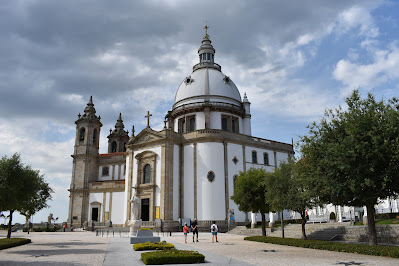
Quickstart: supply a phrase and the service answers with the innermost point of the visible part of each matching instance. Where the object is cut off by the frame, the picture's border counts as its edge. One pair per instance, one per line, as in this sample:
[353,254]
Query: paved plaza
[84,248]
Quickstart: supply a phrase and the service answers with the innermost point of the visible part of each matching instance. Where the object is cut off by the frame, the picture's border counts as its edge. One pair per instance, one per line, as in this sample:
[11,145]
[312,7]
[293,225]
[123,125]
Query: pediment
[146,136]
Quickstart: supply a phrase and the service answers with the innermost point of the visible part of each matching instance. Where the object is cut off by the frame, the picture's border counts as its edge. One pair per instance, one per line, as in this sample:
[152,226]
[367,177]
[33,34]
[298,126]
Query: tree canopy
[354,154]
[288,189]
[22,188]
[249,193]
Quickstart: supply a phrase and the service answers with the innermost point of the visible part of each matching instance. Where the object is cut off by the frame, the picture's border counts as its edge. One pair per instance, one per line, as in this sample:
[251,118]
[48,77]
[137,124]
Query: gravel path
[69,248]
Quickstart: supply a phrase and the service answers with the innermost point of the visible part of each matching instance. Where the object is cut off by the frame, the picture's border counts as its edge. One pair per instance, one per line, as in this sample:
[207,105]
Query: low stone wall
[385,234]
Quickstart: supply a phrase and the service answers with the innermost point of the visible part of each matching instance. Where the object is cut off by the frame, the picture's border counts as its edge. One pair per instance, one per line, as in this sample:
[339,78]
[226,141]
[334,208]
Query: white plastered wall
[188,181]
[248,157]
[234,150]
[176,179]
[210,195]
[117,208]
[125,199]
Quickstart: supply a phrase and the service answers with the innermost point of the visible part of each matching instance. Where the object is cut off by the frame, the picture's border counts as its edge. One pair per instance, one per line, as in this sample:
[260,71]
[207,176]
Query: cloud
[381,70]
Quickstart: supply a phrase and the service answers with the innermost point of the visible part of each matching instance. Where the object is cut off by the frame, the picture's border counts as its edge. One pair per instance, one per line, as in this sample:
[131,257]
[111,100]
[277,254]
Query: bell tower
[85,167]
[118,137]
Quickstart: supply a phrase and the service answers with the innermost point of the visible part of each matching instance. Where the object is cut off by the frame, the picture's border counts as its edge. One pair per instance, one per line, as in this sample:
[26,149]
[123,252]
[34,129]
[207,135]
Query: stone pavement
[84,248]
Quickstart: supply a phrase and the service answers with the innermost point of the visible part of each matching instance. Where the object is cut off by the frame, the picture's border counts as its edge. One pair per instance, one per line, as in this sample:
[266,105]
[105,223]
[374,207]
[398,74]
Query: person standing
[214,230]
[185,231]
[194,228]
[63,227]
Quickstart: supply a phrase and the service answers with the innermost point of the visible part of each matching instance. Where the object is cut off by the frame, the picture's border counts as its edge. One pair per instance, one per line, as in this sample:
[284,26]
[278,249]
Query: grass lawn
[386,251]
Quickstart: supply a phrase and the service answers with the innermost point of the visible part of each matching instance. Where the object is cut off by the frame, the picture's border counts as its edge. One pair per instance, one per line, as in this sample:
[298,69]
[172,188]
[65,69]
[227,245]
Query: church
[185,171]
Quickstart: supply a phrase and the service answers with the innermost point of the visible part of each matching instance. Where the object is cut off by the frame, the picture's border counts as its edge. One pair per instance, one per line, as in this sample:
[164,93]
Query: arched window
[82,134]
[124,146]
[234,182]
[266,158]
[113,146]
[105,171]
[147,174]
[254,157]
[94,136]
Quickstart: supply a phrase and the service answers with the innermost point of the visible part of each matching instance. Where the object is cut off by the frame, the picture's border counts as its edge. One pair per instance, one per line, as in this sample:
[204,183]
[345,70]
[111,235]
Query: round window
[211,176]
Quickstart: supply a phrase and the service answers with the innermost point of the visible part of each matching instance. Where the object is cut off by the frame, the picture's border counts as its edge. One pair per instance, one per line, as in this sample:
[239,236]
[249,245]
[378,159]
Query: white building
[186,170]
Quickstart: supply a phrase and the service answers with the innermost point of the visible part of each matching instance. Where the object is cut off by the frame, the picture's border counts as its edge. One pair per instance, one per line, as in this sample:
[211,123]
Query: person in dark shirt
[194,228]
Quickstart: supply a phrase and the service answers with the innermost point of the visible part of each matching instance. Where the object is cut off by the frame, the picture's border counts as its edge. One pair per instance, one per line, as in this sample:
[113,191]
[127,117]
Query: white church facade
[186,170]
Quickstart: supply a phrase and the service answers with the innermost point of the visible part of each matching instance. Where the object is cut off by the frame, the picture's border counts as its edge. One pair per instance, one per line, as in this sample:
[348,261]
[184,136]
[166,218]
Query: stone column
[272,220]
[253,220]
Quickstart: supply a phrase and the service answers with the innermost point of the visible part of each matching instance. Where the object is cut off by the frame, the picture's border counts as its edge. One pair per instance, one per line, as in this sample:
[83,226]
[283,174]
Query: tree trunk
[9,224]
[371,224]
[303,225]
[282,224]
[263,223]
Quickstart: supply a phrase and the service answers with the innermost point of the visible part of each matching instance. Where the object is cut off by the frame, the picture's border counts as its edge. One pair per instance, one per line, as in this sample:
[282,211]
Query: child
[214,230]
[185,231]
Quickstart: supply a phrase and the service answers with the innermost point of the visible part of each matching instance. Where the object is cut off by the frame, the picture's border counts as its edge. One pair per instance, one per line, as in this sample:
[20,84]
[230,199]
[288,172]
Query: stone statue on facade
[135,206]
[135,222]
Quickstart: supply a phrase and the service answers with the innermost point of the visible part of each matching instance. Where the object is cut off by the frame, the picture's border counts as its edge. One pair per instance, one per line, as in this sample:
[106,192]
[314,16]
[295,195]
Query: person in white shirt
[214,230]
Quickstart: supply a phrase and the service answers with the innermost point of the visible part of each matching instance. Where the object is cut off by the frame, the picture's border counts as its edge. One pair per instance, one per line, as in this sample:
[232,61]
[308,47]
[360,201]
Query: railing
[234,107]
[207,64]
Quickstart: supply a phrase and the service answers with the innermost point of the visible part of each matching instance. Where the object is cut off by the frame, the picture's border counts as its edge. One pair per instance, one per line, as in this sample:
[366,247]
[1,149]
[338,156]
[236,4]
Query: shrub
[387,251]
[385,216]
[332,216]
[152,246]
[172,256]
[13,242]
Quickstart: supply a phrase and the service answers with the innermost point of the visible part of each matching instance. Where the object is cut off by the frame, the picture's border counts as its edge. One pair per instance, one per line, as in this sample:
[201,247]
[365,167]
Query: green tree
[354,154]
[22,189]
[288,189]
[249,193]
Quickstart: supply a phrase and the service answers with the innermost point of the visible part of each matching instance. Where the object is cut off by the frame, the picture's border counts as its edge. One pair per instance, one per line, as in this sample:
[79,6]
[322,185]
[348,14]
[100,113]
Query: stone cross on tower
[148,118]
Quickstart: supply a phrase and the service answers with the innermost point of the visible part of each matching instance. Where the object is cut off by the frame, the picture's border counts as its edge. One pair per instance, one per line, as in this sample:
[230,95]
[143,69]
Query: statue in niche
[135,206]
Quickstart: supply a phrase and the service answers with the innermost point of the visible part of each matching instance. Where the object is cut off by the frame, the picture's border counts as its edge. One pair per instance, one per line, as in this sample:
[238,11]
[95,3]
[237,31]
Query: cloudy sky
[293,58]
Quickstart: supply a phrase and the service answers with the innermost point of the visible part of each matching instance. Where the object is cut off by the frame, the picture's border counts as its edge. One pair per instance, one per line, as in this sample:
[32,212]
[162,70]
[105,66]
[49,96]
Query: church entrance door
[94,214]
[145,209]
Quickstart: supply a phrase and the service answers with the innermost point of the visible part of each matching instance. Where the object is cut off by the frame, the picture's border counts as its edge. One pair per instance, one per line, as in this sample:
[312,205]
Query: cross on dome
[206,36]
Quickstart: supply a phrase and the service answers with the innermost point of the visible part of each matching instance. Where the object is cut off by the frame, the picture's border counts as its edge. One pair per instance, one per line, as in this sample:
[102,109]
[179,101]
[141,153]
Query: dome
[207,84]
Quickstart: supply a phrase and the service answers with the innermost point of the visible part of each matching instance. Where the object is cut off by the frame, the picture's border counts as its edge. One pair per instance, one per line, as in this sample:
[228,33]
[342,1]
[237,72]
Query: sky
[293,59]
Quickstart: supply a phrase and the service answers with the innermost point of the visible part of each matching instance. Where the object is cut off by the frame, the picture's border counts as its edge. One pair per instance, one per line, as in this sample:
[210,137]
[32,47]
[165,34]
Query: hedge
[13,242]
[386,251]
[152,246]
[172,256]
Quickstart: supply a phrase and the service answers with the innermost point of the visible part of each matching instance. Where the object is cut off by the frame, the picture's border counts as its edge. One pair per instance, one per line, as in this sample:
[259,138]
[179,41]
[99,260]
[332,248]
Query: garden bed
[386,251]
[152,246]
[172,256]
[13,242]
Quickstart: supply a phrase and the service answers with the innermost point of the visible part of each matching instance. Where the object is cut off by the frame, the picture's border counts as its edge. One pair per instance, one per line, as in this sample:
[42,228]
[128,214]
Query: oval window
[211,176]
